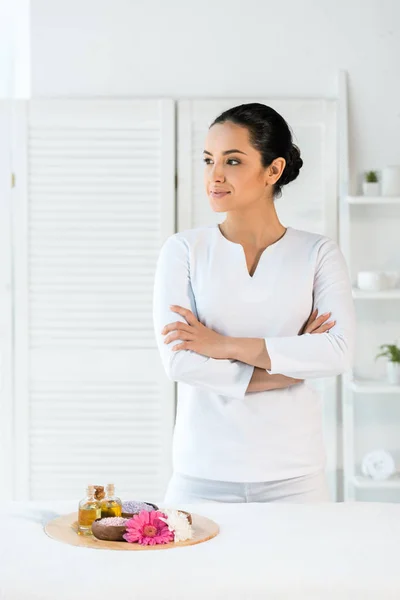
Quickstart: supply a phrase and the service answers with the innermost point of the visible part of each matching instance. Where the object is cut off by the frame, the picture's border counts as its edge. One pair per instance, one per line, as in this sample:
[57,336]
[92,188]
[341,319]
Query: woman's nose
[217,174]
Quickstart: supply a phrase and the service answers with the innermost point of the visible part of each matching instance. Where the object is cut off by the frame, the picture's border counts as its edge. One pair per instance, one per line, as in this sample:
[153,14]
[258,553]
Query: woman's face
[234,175]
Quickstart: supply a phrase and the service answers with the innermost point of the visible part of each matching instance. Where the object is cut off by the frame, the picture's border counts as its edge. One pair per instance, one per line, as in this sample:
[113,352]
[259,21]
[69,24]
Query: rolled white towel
[378,465]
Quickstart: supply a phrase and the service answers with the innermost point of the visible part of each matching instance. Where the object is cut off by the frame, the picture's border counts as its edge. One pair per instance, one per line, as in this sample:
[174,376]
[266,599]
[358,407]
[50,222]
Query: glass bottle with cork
[89,511]
[111,505]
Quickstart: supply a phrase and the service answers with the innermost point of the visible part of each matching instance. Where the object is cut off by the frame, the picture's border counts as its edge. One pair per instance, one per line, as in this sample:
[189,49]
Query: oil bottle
[89,511]
[111,505]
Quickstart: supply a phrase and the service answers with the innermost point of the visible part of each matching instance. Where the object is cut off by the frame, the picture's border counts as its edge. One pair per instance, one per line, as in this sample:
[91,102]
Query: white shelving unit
[384,200]
[393,483]
[356,390]
[361,386]
[384,295]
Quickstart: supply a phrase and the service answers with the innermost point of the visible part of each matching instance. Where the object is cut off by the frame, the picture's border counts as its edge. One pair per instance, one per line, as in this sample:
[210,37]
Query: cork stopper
[90,490]
[110,489]
[99,492]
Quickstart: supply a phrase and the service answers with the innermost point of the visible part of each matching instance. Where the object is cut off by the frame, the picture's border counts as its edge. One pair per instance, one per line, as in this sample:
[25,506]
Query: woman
[235,314]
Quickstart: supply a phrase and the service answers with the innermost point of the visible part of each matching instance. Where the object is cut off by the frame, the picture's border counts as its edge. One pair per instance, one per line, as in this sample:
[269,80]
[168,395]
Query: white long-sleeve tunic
[222,432]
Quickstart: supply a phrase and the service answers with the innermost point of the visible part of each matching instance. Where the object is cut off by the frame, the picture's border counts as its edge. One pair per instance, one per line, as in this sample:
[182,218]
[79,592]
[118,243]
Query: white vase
[371,189]
[391,181]
[393,372]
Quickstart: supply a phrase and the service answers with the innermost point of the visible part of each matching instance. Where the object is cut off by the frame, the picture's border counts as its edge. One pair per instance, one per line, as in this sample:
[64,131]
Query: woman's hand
[262,381]
[317,324]
[195,336]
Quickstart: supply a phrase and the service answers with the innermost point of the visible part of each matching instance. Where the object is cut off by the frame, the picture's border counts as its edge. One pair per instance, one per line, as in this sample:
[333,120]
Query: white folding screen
[95,199]
[6,403]
[310,202]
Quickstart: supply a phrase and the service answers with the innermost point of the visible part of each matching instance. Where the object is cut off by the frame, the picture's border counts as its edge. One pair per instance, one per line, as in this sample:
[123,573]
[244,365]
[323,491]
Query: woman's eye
[230,161]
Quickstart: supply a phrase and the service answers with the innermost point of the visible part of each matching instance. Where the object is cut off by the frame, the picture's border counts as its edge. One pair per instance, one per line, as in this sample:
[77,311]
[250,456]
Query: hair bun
[293,165]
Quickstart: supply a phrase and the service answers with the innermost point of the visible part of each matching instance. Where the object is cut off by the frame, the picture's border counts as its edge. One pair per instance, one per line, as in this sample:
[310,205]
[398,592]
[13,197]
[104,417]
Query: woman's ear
[275,170]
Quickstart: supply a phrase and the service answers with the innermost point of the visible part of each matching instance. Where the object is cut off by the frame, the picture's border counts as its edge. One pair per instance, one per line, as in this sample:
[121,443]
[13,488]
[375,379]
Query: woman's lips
[219,194]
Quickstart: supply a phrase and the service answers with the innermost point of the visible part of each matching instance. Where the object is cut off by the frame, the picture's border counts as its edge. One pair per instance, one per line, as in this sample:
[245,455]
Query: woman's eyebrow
[226,152]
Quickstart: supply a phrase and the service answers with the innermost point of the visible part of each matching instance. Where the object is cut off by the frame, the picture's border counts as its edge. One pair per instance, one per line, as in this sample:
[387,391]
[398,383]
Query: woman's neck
[258,229]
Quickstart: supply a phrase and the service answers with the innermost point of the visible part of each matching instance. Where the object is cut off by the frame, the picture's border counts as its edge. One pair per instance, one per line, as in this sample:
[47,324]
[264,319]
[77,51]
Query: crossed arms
[256,364]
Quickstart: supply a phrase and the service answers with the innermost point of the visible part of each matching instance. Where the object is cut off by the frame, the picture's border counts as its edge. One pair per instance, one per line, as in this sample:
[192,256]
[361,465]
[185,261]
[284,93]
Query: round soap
[133,507]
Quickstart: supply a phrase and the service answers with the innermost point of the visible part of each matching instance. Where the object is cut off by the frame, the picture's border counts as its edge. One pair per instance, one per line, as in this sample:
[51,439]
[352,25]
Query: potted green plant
[371,184]
[392,353]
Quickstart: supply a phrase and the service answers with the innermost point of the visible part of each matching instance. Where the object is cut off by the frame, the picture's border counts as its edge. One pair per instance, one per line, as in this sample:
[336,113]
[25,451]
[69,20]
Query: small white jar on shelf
[391,181]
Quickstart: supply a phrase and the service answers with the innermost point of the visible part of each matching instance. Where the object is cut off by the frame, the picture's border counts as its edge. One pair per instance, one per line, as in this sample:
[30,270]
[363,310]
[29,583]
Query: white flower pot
[371,189]
[393,372]
[391,181]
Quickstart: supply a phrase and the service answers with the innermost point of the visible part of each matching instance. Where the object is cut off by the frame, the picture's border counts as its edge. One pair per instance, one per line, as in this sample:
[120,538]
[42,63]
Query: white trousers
[191,490]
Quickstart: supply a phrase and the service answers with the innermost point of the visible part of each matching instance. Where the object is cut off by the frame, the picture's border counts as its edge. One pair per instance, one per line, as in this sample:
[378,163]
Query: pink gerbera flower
[147,529]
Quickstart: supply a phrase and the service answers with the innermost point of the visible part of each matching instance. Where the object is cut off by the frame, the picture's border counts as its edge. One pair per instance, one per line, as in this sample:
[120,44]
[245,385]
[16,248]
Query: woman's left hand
[195,336]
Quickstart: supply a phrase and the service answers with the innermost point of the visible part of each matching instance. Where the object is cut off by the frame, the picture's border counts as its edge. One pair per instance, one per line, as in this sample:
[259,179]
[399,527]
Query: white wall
[183,48]
[6,46]
[14,48]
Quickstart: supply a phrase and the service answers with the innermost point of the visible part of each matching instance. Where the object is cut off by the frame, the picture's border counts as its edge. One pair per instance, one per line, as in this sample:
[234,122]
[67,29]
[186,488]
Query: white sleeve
[321,355]
[172,285]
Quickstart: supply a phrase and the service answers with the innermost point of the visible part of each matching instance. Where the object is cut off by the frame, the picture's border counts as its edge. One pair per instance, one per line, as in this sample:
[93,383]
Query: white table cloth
[269,551]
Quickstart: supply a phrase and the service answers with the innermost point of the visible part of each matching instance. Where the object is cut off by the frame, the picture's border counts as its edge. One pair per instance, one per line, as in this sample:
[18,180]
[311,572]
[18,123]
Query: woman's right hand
[317,324]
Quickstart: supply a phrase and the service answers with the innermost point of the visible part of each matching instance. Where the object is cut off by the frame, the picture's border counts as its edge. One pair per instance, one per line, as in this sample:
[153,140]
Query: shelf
[361,386]
[382,295]
[393,483]
[355,211]
[373,200]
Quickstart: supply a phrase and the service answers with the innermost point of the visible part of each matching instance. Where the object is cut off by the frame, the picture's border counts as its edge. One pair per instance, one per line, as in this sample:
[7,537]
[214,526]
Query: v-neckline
[241,248]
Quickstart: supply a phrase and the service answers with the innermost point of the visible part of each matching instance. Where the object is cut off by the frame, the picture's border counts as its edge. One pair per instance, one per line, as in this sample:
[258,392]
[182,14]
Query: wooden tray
[65,529]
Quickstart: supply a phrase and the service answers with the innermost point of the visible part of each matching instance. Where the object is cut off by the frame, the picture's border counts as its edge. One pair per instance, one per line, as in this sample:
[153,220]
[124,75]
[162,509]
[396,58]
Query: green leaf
[371,177]
[390,351]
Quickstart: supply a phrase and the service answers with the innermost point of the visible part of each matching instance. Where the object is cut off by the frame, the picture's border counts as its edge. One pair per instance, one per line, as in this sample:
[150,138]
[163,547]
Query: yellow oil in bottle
[89,510]
[110,509]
